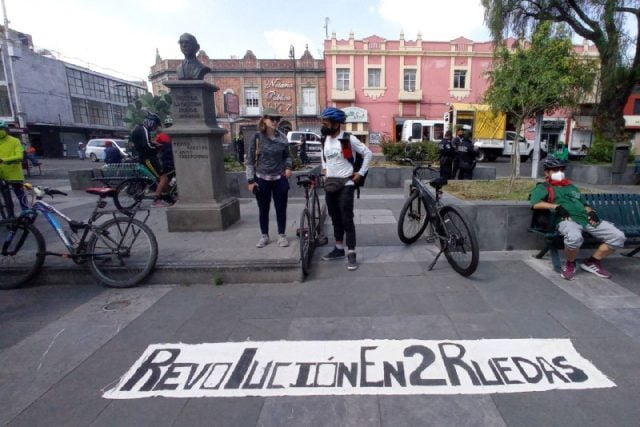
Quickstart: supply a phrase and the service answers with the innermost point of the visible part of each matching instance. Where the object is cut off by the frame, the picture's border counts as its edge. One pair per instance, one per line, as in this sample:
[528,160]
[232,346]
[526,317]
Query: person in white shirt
[341,180]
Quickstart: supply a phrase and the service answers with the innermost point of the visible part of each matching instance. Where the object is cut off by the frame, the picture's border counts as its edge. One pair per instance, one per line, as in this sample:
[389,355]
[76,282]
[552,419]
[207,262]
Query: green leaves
[137,110]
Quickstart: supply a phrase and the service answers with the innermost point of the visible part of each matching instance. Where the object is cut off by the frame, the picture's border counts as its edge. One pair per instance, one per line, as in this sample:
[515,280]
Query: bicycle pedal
[430,239]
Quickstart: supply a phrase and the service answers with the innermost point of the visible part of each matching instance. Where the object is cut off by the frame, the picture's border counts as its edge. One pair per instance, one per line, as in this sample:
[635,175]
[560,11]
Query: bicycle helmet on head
[553,164]
[334,114]
[168,122]
[152,120]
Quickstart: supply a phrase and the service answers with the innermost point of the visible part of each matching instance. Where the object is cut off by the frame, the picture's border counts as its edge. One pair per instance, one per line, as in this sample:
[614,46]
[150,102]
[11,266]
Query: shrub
[418,151]
[601,151]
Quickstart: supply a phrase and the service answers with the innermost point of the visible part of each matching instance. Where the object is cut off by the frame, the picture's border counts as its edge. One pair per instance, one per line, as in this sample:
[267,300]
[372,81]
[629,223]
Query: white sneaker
[282,241]
[264,241]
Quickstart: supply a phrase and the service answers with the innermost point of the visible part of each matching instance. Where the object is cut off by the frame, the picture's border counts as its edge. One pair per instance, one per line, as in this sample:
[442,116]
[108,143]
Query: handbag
[333,184]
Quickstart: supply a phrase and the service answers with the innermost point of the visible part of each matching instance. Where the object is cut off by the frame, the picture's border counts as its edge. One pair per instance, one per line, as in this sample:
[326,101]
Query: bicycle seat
[101,191]
[438,183]
[304,180]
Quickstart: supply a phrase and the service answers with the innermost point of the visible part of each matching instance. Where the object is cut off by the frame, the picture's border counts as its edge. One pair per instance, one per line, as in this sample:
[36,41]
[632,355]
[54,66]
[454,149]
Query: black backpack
[352,156]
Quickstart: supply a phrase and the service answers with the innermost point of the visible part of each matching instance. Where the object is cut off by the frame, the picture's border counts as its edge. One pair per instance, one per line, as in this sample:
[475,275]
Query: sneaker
[568,270]
[334,254]
[264,241]
[596,268]
[282,241]
[351,261]
[159,203]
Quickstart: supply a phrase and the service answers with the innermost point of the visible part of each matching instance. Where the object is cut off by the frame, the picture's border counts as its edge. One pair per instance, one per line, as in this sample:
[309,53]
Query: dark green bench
[621,209]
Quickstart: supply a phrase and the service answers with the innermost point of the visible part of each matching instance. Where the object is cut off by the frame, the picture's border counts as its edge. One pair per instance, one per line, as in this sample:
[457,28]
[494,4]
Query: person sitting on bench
[573,216]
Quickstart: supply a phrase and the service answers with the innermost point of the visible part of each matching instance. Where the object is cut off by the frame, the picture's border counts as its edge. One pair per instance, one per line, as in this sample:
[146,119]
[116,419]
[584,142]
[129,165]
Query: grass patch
[494,189]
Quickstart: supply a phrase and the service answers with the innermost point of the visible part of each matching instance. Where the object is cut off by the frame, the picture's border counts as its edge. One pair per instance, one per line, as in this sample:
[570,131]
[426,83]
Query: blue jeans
[279,191]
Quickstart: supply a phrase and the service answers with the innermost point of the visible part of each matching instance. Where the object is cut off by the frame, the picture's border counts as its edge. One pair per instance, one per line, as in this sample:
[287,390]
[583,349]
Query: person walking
[304,159]
[82,149]
[11,157]
[561,153]
[148,156]
[239,146]
[573,216]
[269,165]
[447,154]
[466,157]
[340,182]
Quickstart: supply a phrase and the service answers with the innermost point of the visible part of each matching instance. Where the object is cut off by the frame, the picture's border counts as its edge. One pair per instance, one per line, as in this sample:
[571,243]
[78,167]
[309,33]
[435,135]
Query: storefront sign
[363,367]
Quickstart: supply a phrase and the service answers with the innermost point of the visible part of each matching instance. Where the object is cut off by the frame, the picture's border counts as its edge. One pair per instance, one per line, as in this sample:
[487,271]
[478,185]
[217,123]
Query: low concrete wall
[237,183]
[599,174]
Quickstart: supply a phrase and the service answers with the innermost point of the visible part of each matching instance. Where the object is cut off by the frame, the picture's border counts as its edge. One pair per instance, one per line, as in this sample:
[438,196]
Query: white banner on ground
[385,367]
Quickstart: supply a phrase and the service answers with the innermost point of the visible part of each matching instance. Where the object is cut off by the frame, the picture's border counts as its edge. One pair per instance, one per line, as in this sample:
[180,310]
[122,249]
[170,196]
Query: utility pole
[292,55]
[16,99]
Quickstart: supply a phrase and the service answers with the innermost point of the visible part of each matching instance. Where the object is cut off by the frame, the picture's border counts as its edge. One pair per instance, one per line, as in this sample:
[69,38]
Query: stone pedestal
[197,150]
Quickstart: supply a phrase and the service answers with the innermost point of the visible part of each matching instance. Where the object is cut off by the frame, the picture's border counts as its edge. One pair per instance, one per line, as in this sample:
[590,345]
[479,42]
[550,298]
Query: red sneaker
[596,268]
[568,270]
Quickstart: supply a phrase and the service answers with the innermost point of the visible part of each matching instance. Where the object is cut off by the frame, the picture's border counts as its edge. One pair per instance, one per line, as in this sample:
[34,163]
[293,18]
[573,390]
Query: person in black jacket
[111,153]
[466,157]
[447,153]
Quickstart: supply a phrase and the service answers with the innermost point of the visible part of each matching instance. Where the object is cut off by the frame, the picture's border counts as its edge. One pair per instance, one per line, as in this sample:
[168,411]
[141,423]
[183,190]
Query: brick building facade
[297,89]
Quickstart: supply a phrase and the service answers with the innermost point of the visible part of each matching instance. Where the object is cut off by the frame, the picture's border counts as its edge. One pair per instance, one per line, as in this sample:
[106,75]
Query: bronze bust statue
[191,68]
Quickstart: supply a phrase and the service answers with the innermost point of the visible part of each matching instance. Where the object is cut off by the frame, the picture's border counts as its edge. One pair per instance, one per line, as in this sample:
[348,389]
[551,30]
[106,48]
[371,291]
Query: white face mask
[557,176]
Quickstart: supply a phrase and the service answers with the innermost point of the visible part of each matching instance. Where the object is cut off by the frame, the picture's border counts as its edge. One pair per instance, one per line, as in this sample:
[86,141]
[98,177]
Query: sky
[120,37]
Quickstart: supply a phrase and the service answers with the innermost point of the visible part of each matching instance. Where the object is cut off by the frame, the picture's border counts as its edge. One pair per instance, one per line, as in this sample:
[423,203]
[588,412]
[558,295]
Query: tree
[599,21]
[537,78]
[138,109]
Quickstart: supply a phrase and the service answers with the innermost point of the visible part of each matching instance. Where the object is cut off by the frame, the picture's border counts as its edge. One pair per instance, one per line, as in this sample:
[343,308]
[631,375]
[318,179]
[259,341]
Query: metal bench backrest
[621,209]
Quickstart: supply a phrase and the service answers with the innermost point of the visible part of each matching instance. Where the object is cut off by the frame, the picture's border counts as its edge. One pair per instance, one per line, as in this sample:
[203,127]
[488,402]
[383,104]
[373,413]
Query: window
[5,104]
[119,92]
[636,107]
[2,76]
[459,79]
[98,113]
[373,79]
[80,113]
[95,86]
[252,100]
[74,78]
[119,113]
[309,105]
[410,80]
[342,79]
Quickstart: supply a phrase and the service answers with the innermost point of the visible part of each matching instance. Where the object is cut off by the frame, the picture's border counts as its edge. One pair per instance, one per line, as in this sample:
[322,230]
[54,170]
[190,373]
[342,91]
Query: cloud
[435,20]
[165,6]
[281,40]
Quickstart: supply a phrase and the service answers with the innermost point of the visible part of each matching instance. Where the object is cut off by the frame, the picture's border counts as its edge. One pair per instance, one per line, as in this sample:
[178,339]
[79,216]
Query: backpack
[352,156]
[541,218]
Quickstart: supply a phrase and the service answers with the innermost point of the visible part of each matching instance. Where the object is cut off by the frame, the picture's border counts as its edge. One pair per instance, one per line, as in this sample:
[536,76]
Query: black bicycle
[121,251]
[447,225]
[311,220]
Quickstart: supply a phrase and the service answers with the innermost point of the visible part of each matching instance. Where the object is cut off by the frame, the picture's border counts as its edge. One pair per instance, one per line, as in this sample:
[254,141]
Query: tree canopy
[606,23]
[537,77]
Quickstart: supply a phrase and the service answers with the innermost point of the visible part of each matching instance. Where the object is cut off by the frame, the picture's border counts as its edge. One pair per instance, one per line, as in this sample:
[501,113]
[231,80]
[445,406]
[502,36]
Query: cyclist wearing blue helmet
[573,216]
[340,184]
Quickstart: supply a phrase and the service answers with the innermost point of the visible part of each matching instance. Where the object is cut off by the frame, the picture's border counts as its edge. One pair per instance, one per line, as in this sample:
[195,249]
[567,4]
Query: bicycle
[447,225]
[121,251]
[135,184]
[311,220]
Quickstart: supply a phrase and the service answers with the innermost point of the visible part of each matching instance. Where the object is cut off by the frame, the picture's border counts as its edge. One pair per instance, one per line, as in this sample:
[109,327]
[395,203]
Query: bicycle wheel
[123,252]
[414,218]
[130,192]
[316,212]
[306,241]
[461,248]
[21,254]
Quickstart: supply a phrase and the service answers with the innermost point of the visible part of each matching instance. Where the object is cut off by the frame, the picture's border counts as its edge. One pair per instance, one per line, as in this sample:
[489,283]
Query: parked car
[95,148]
[314,146]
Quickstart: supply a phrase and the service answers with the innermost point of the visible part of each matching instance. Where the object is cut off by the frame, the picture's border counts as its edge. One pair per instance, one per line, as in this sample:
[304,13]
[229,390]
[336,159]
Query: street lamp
[292,55]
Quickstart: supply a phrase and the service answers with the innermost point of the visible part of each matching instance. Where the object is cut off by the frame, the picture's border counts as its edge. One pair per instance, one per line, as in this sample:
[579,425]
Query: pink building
[382,83]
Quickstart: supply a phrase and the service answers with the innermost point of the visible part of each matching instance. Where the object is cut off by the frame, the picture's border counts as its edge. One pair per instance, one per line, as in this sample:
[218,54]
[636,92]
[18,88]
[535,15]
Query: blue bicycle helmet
[553,163]
[334,114]
[152,120]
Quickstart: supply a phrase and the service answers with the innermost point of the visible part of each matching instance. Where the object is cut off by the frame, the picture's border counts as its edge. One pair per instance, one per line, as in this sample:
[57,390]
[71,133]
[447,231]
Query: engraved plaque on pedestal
[197,150]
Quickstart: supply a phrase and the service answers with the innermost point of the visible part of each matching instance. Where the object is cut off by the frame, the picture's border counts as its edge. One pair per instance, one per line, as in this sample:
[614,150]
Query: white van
[422,130]
[314,146]
[95,148]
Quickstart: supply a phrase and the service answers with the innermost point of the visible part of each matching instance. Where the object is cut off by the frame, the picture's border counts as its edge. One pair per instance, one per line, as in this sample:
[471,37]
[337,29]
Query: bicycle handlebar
[39,191]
